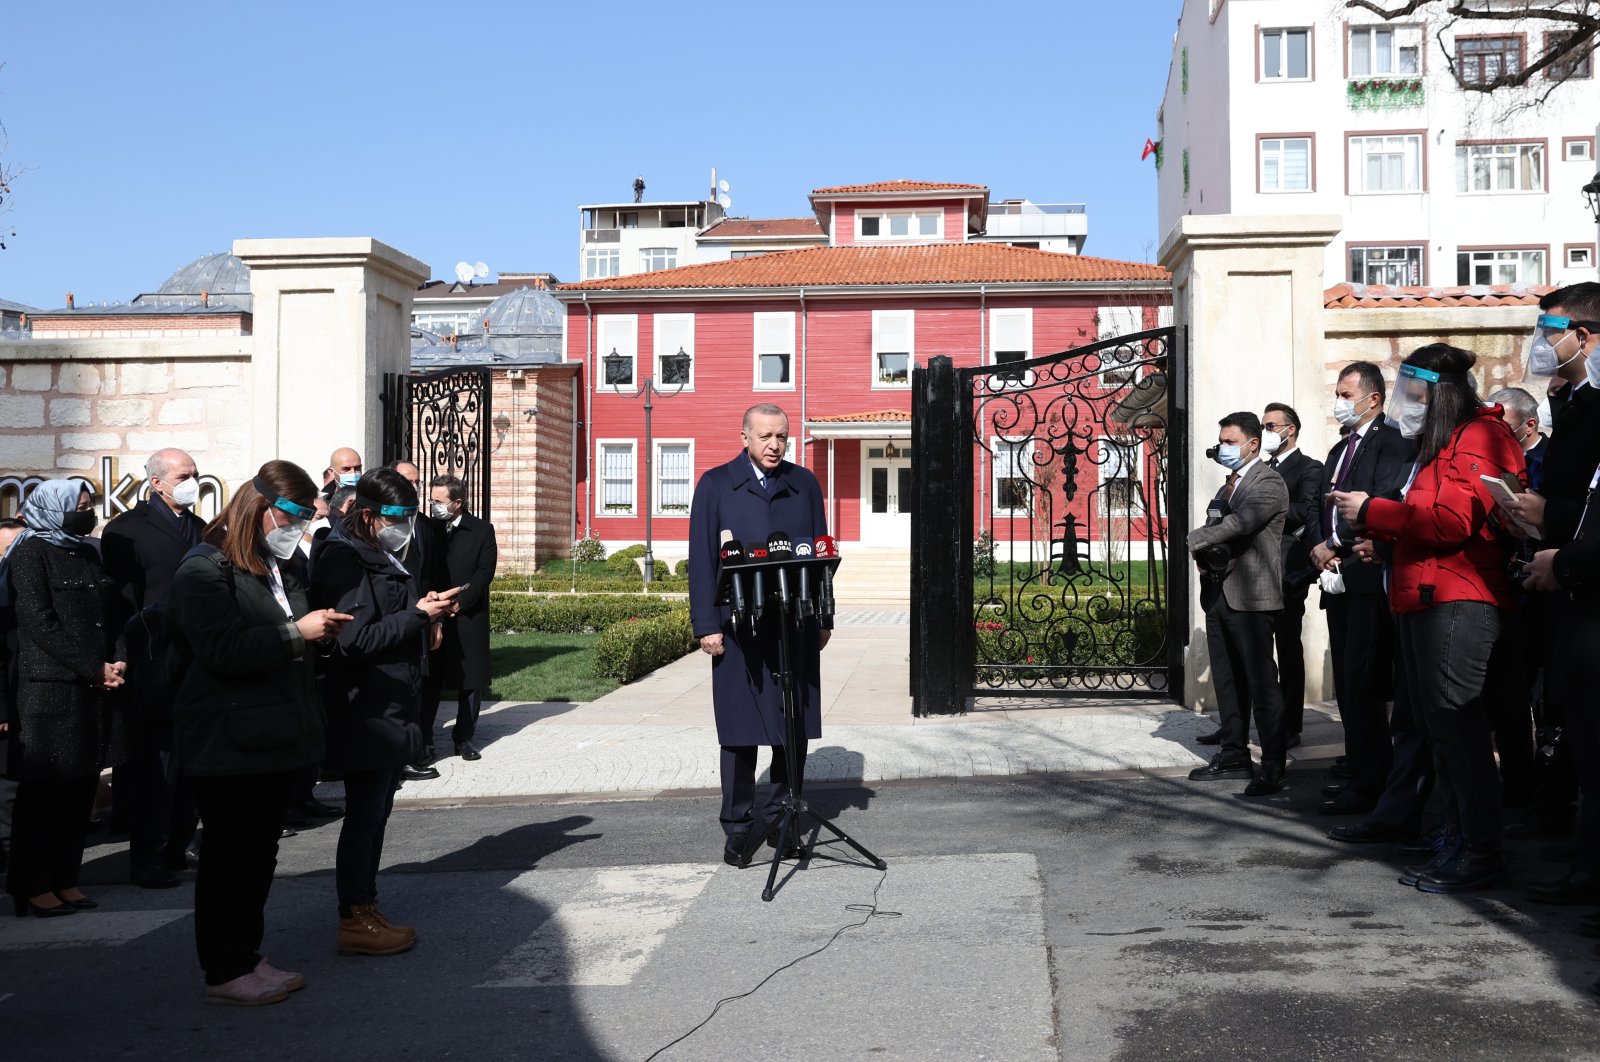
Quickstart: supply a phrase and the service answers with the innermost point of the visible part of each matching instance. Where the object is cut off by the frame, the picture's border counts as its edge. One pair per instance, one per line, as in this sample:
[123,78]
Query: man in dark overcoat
[142,549]
[755,494]
[460,662]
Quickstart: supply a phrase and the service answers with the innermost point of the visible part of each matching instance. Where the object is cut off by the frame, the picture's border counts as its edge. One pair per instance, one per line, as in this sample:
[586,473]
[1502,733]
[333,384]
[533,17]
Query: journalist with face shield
[371,688]
[1449,591]
[1239,552]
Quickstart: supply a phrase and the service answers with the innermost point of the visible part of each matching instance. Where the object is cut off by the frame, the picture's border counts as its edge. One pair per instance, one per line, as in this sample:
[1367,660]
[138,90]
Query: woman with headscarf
[372,689]
[69,653]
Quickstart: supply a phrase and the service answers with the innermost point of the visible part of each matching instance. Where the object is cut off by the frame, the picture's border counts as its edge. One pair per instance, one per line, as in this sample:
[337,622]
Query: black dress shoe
[467,752]
[1578,887]
[25,906]
[1341,770]
[316,809]
[1347,803]
[288,831]
[733,849]
[1445,849]
[1293,742]
[1331,791]
[1220,768]
[413,773]
[1467,871]
[1213,738]
[1370,832]
[1269,781]
[156,878]
[429,756]
[795,849]
[84,904]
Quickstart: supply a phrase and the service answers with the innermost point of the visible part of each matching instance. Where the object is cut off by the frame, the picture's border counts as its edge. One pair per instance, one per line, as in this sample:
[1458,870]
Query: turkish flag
[1149,149]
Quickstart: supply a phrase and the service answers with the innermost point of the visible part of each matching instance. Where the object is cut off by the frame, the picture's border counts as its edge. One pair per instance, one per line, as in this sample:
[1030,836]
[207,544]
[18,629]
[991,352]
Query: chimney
[71,302]
[538,283]
[205,298]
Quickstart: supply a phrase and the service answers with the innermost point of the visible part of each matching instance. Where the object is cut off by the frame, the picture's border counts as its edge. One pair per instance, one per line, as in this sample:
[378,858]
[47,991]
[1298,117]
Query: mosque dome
[219,274]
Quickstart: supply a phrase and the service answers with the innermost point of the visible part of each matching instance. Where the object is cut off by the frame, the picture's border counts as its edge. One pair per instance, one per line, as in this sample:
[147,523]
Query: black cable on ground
[868,912]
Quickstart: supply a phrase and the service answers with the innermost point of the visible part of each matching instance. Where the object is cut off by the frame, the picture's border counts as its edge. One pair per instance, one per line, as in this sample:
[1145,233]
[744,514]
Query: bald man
[142,549]
[344,470]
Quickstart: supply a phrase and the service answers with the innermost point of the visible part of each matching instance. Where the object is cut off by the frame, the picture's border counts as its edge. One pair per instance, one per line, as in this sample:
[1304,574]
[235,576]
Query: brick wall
[530,465]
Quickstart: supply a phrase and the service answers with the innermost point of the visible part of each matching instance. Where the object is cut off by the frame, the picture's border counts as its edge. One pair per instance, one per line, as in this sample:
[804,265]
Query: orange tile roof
[880,416]
[899,186]
[920,265]
[1378,296]
[769,227]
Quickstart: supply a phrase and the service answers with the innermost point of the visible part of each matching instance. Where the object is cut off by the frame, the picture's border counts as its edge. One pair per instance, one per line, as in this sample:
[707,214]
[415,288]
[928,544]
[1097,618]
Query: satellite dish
[724,200]
[480,270]
[722,185]
[464,272]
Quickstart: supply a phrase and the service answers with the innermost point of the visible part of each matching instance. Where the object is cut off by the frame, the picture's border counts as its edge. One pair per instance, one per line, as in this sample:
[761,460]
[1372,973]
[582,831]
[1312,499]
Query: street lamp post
[1591,195]
[675,368]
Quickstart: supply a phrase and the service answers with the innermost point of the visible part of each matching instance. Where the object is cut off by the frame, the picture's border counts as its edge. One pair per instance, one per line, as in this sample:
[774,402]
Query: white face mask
[1229,456]
[1344,411]
[283,541]
[1412,419]
[1271,441]
[439,510]
[395,538]
[1592,367]
[185,494]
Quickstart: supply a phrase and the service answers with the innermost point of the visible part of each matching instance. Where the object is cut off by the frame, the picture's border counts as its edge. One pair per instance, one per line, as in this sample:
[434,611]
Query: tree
[1576,21]
[8,174]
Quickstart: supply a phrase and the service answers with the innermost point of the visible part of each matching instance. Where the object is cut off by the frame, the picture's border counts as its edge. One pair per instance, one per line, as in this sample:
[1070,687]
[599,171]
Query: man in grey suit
[1240,555]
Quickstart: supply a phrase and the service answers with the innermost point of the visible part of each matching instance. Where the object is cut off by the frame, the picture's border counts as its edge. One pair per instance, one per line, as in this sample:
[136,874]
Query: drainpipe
[983,448]
[800,449]
[587,422]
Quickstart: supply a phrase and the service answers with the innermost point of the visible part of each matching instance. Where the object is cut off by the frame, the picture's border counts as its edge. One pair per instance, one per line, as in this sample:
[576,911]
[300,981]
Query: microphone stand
[793,810]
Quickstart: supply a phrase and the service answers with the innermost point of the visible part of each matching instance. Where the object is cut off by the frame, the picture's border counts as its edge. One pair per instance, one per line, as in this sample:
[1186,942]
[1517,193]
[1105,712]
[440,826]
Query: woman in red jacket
[1449,593]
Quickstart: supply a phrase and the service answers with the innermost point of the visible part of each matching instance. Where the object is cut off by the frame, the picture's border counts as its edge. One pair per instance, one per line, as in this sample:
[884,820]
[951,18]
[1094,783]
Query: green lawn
[546,667]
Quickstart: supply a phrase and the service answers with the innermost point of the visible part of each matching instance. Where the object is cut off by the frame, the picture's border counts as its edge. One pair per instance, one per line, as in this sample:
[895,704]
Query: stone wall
[530,464]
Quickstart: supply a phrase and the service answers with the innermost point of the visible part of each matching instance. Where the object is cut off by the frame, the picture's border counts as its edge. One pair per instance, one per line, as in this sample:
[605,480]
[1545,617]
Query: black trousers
[1291,656]
[468,704]
[1446,650]
[1245,679]
[739,785]
[1582,737]
[1510,683]
[243,817]
[1361,639]
[49,823]
[368,799]
[161,812]
[1410,779]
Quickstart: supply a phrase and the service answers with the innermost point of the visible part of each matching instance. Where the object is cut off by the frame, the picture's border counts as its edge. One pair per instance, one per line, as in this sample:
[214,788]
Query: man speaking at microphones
[758,497]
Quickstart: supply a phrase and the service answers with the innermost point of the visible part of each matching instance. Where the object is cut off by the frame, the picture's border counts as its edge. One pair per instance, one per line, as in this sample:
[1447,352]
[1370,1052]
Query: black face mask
[80,522]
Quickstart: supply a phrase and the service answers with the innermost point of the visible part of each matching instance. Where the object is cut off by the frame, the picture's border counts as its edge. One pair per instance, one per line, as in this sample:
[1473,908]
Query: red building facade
[830,334]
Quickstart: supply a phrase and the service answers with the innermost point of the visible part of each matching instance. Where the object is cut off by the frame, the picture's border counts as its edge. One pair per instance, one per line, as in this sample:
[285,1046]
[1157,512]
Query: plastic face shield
[1408,402]
[301,514]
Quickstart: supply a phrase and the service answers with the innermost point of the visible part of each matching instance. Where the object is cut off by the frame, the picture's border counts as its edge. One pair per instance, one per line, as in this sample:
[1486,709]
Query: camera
[1212,452]
[1214,559]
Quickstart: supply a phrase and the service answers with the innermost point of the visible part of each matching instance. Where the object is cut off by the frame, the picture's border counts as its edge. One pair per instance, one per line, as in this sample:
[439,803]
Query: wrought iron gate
[1047,492]
[440,422]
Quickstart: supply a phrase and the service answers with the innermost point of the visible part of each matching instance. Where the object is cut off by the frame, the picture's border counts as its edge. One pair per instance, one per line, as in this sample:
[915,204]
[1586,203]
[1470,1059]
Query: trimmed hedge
[624,560]
[637,647]
[572,614]
[555,584]
[681,569]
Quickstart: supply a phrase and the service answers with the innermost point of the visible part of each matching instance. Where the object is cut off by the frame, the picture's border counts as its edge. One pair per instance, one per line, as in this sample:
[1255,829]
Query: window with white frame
[654,258]
[1397,266]
[1383,164]
[1013,487]
[1578,65]
[618,477]
[674,335]
[893,347]
[774,351]
[1285,164]
[899,224]
[674,469]
[1525,266]
[1484,168]
[1113,322]
[599,263]
[1285,54]
[1578,149]
[1120,463]
[1011,339]
[444,324]
[617,333]
[1484,61]
[1580,257]
[1376,51]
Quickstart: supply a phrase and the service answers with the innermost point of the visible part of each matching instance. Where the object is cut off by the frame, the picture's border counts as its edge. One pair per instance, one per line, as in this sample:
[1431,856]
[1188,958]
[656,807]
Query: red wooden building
[830,333]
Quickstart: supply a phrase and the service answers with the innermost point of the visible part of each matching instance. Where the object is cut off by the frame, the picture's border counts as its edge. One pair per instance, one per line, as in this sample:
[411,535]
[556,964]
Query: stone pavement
[656,735]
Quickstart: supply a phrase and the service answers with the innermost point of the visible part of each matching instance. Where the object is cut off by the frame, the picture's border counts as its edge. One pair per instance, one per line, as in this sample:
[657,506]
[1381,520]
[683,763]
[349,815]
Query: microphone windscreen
[732,553]
[826,546]
[778,546]
[726,536]
[756,551]
[803,547]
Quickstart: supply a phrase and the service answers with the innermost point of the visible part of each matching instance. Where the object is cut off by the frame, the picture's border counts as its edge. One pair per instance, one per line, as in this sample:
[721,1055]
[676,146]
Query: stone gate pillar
[332,315]
[1249,292]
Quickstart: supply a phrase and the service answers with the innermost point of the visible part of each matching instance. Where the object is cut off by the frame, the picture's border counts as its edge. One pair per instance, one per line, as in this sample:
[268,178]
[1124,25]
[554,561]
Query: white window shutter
[893,331]
[1010,330]
[1120,320]
[619,332]
[775,333]
[674,332]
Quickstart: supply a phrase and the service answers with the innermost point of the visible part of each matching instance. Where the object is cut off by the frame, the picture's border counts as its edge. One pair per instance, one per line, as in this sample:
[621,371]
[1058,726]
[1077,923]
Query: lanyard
[275,582]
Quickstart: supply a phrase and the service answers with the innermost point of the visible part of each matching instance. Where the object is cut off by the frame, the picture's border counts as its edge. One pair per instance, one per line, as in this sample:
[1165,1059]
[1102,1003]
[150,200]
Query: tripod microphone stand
[793,813]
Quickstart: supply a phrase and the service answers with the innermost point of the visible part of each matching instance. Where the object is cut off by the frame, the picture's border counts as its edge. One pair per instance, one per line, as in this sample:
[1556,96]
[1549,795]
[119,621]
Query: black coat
[372,684]
[142,549]
[1302,474]
[744,690]
[1381,464]
[1570,460]
[469,559]
[63,608]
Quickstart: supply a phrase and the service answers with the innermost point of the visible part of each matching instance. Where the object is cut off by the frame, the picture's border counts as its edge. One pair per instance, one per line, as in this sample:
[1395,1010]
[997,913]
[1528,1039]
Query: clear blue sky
[472,131]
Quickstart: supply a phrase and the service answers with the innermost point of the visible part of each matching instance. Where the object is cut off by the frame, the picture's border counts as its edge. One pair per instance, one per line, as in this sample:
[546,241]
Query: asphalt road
[1020,919]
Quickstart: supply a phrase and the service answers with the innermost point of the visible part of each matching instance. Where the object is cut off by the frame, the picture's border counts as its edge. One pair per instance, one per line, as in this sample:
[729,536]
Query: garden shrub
[571,613]
[637,647]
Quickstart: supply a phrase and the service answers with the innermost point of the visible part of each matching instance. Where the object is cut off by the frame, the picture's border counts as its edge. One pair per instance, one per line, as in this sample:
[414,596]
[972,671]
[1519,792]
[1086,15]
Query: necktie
[1227,488]
[769,484]
[1272,462]
[1344,462]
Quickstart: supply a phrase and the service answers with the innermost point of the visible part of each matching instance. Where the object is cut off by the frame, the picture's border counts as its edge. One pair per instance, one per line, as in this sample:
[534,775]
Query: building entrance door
[886,496]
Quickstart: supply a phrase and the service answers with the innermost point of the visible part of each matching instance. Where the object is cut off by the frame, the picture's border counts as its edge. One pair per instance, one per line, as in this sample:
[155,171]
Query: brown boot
[365,934]
[384,919]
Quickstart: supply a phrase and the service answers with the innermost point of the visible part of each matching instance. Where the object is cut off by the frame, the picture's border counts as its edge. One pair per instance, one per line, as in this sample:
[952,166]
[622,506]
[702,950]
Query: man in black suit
[142,549]
[1375,458]
[461,659]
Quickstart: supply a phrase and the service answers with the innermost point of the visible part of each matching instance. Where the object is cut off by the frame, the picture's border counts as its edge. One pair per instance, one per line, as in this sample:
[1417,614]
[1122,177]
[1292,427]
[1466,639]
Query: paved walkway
[656,735]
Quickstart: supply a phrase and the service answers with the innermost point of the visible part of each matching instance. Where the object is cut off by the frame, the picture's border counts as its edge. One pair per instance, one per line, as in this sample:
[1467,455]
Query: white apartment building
[620,239]
[1311,107]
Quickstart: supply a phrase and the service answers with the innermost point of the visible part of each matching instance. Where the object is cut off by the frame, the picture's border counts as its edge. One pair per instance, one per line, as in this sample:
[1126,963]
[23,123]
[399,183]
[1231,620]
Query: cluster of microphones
[757,579]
